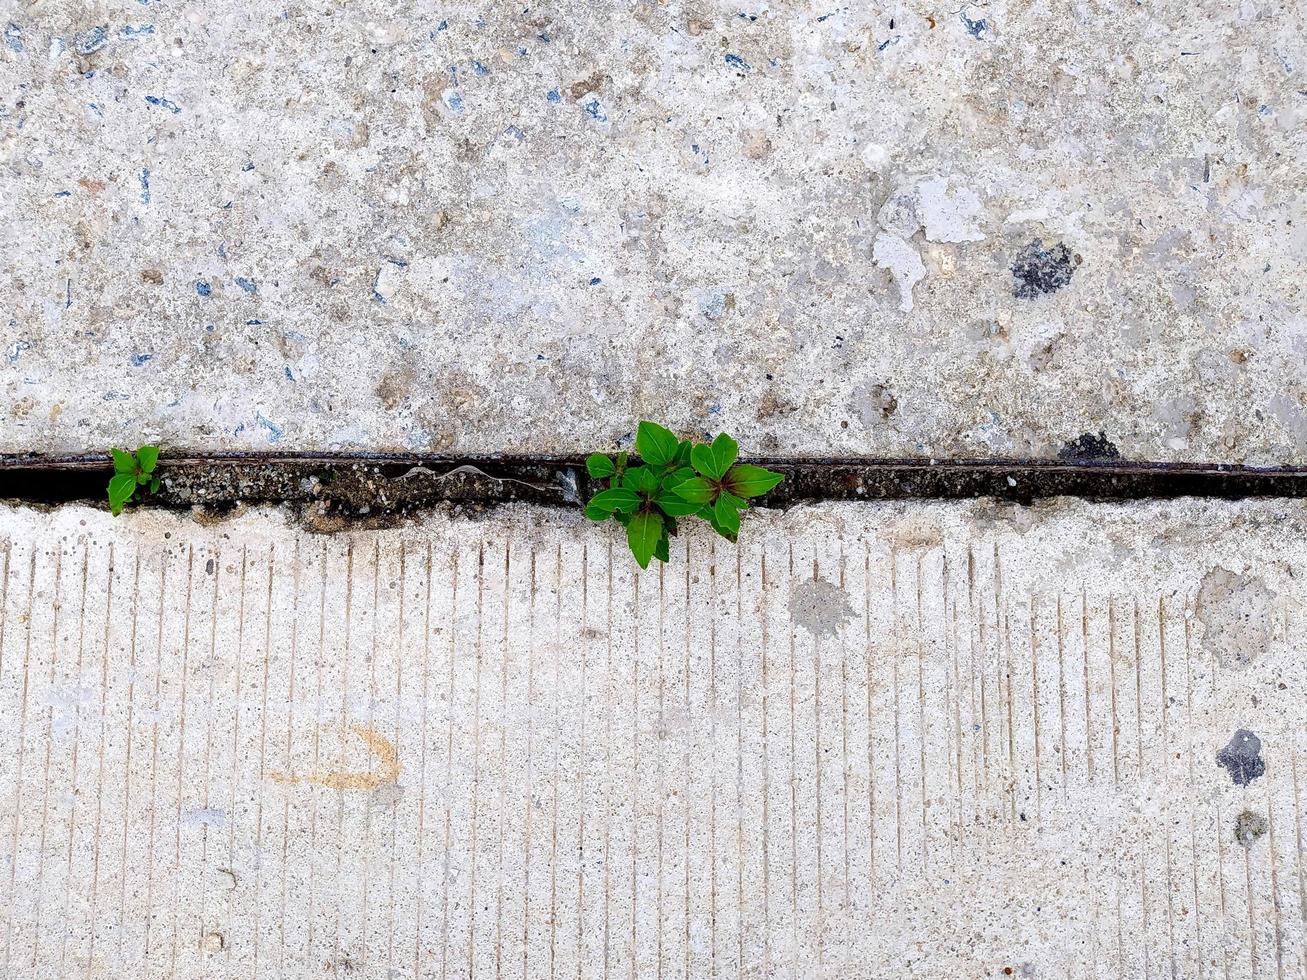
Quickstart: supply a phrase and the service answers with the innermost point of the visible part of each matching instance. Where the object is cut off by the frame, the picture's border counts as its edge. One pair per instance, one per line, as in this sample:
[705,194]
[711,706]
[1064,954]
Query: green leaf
[727,517]
[676,476]
[147,456]
[704,461]
[747,480]
[696,490]
[597,513]
[121,488]
[616,499]
[656,445]
[123,462]
[142,479]
[724,450]
[599,466]
[713,523]
[676,506]
[683,452]
[643,534]
[154,485]
[664,550]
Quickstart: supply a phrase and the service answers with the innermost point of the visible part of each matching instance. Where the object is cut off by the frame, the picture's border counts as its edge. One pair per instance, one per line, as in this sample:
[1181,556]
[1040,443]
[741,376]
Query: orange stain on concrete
[387,755]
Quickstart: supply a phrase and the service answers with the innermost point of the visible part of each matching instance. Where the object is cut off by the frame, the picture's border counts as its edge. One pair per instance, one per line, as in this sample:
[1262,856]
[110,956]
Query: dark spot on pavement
[1038,271]
[1242,757]
[1089,446]
[1248,826]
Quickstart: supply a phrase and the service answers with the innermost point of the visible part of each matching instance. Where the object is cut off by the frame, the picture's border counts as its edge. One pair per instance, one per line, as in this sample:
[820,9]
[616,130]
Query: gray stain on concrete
[1242,757]
[1236,613]
[819,607]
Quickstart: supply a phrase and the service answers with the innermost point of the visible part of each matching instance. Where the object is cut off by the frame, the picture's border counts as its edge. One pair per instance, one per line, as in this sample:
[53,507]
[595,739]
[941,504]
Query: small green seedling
[132,470]
[677,478]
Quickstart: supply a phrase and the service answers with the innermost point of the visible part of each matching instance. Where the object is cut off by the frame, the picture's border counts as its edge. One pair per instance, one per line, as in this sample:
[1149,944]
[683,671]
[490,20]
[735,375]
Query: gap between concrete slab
[335,487]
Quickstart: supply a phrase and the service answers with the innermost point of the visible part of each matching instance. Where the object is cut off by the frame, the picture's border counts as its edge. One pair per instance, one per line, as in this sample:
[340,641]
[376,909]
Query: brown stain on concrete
[387,755]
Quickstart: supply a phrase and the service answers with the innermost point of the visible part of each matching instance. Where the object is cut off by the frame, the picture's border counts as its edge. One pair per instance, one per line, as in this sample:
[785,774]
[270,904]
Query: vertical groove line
[55,605]
[290,727]
[77,737]
[127,763]
[18,772]
[422,769]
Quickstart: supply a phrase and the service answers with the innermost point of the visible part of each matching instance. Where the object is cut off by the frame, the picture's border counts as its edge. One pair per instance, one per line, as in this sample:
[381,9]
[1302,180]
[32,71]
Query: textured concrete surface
[934,741]
[907,228]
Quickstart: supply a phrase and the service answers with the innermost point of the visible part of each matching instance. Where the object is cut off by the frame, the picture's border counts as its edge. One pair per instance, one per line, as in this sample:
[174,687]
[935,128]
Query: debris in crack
[1089,446]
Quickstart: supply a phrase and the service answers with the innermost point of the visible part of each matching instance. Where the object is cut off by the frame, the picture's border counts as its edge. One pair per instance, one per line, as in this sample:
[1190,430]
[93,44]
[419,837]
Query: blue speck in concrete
[145,185]
[139,359]
[289,376]
[14,38]
[516,133]
[735,61]
[254,323]
[595,281]
[247,285]
[128,30]
[63,194]
[479,69]
[274,431]
[247,166]
[203,288]
[453,101]
[974,27]
[544,37]
[209,328]
[443,26]
[89,42]
[162,103]
[594,110]
[553,95]
[453,75]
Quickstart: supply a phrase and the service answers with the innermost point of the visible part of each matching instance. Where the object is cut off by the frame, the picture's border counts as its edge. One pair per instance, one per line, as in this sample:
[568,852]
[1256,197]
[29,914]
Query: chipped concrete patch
[904,264]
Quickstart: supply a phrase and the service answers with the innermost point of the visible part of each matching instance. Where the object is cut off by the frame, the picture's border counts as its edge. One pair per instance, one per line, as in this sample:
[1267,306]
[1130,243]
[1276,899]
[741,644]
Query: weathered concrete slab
[894,229]
[935,741]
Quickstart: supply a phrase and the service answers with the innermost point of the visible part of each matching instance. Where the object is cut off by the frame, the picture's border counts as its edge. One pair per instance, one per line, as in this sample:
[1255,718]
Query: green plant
[132,470]
[676,478]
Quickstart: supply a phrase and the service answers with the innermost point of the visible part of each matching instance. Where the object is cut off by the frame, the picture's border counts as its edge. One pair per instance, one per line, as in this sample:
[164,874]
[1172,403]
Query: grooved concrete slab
[887,228]
[937,741]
